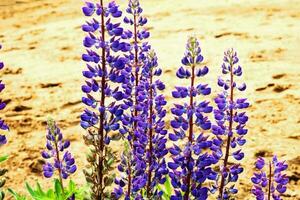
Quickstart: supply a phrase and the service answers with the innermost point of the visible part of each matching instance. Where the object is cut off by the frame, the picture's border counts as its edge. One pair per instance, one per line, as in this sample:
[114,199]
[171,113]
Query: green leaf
[40,190]
[3,171]
[168,186]
[30,190]
[57,186]
[16,195]
[2,182]
[50,193]
[39,194]
[2,195]
[72,186]
[3,158]
[110,161]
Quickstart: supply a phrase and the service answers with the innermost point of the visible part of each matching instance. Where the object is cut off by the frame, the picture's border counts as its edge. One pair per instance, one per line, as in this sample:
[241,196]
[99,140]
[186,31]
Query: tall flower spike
[134,127]
[230,125]
[191,165]
[104,73]
[271,183]
[156,132]
[137,56]
[60,160]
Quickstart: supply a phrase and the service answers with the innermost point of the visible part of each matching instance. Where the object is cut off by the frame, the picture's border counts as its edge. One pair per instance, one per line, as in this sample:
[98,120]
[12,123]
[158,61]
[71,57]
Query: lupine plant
[62,161]
[103,74]
[230,124]
[271,183]
[3,140]
[191,165]
[123,100]
[59,162]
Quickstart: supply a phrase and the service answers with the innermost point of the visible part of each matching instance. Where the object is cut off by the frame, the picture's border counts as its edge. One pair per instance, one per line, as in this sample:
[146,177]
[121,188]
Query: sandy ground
[42,43]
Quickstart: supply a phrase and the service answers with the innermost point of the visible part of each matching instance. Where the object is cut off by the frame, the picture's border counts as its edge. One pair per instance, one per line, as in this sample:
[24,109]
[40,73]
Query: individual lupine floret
[230,125]
[271,183]
[104,73]
[191,165]
[59,160]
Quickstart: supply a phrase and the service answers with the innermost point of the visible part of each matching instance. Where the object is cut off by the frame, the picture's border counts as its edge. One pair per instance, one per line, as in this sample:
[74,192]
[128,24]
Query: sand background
[42,43]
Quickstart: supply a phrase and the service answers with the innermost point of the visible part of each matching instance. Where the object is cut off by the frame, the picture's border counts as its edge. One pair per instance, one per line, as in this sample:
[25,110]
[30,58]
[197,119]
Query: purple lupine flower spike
[230,124]
[271,183]
[58,158]
[3,125]
[137,55]
[134,121]
[145,162]
[104,74]
[156,131]
[191,165]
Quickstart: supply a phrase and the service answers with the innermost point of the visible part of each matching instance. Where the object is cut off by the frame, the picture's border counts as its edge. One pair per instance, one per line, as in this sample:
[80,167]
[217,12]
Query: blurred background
[42,46]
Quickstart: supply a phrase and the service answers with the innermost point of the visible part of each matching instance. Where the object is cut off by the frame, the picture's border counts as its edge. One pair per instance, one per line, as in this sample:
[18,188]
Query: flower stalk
[155,144]
[56,145]
[191,131]
[150,149]
[270,181]
[230,125]
[227,151]
[191,165]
